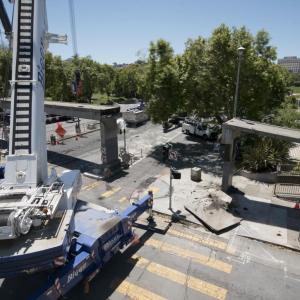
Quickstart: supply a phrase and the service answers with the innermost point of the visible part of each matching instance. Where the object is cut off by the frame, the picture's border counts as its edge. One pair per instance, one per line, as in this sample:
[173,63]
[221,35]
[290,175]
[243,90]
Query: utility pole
[240,53]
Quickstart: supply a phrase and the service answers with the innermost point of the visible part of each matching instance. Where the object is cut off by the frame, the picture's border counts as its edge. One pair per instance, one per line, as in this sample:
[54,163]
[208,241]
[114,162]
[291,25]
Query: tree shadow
[264,213]
[201,154]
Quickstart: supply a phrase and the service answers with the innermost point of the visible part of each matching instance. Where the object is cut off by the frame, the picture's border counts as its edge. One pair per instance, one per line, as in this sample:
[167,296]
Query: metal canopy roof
[252,127]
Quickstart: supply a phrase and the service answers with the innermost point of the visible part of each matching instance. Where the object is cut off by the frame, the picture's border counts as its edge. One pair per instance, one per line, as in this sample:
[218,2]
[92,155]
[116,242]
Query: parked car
[176,120]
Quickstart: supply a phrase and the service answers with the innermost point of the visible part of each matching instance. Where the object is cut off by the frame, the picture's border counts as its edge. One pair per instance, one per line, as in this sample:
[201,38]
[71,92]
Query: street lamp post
[240,53]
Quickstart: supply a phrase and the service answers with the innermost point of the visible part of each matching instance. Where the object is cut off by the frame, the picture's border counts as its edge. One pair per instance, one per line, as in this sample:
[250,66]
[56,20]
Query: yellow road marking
[196,257]
[137,293]
[123,199]
[110,192]
[153,189]
[90,186]
[191,282]
[204,241]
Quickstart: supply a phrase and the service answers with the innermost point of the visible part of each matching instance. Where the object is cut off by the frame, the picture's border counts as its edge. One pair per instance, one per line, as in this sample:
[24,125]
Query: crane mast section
[27,160]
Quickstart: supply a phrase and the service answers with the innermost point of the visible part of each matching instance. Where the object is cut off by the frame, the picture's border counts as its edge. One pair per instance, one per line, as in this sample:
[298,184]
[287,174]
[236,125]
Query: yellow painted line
[137,293]
[110,192]
[90,186]
[203,241]
[191,282]
[153,189]
[195,256]
[123,199]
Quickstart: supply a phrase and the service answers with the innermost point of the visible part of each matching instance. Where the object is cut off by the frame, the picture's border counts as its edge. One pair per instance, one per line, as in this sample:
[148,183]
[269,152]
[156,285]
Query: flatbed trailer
[99,234]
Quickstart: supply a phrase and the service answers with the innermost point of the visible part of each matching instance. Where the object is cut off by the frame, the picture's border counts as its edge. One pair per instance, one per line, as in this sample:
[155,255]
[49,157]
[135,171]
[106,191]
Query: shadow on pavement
[103,285]
[112,275]
[74,163]
[264,212]
[200,153]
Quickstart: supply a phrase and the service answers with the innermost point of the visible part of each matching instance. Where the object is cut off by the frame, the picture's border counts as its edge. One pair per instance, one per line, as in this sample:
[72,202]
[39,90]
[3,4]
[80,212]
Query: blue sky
[117,30]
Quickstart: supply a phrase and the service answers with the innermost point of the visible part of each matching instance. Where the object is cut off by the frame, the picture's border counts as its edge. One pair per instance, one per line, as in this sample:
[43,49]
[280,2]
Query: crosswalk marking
[123,199]
[137,293]
[191,282]
[90,186]
[110,192]
[201,240]
[196,257]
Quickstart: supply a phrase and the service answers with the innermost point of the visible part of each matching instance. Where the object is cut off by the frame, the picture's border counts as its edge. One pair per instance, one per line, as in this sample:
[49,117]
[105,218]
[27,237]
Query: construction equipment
[42,225]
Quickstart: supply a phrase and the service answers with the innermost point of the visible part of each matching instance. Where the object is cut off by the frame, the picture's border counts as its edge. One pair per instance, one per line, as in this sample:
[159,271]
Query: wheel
[205,137]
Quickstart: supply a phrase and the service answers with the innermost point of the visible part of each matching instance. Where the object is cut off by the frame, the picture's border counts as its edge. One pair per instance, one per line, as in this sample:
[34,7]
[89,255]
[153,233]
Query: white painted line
[93,176]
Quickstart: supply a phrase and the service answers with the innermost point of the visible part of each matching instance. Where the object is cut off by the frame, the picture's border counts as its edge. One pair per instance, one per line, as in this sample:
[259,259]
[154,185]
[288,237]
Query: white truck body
[197,128]
[135,116]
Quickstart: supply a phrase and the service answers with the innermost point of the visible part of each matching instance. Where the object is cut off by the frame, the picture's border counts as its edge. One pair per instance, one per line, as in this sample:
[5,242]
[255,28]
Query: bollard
[150,219]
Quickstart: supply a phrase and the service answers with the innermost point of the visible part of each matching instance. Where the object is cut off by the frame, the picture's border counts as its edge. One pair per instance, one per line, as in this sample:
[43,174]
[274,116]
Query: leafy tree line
[201,81]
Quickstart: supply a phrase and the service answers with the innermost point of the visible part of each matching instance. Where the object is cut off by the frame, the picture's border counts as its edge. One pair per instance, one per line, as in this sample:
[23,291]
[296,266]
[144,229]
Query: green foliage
[288,114]
[202,81]
[210,68]
[264,154]
[129,81]
[96,78]
[162,81]
[5,71]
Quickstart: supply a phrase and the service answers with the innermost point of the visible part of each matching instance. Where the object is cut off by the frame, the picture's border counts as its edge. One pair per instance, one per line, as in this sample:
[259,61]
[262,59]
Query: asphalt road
[186,262]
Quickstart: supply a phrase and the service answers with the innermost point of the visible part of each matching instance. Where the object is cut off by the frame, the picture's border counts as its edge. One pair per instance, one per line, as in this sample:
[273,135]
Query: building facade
[291,63]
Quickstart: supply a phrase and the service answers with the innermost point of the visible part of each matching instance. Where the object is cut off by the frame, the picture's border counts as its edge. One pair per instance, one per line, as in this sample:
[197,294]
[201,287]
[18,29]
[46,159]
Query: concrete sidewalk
[264,217]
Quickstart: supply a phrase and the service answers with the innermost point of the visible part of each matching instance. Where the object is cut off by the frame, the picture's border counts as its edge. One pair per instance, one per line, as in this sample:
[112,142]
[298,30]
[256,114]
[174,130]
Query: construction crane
[73,28]
[77,83]
[42,225]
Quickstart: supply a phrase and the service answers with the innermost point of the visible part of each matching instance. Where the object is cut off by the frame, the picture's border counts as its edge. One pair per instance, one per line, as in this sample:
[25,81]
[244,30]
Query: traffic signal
[175,174]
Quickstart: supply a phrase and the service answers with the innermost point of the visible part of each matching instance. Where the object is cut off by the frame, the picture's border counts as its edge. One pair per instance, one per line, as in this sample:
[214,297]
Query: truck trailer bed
[40,249]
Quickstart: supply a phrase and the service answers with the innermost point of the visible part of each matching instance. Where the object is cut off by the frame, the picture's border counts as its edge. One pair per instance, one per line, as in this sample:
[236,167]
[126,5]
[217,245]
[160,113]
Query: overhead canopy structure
[106,114]
[252,127]
[232,129]
[71,109]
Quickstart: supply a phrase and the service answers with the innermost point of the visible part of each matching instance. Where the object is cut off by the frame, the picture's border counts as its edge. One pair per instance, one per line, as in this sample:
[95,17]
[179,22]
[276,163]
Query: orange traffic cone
[297,205]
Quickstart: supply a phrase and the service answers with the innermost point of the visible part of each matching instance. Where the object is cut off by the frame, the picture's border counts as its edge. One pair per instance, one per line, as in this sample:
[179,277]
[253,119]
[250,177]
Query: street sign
[60,130]
[173,155]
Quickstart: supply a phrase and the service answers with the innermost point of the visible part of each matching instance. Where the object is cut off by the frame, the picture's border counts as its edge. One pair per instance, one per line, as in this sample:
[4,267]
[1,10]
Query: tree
[5,71]
[163,84]
[57,87]
[130,81]
[210,68]
[288,114]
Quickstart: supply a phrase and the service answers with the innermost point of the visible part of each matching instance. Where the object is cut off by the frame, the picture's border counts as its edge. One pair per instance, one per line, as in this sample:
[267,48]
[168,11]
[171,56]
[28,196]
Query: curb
[90,175]
[270,243]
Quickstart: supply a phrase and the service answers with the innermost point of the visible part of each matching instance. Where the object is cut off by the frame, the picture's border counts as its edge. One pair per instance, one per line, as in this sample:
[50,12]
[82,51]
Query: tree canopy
[204,77]
[200,81]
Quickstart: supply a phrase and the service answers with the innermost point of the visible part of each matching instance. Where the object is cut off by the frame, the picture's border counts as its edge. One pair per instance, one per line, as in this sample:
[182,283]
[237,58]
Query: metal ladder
[21,138]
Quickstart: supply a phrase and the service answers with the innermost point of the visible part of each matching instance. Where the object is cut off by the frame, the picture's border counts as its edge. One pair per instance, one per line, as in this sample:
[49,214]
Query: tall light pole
[240,53]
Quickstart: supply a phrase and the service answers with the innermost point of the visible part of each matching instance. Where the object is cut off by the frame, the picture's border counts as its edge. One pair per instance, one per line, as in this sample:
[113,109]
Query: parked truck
[201,129]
